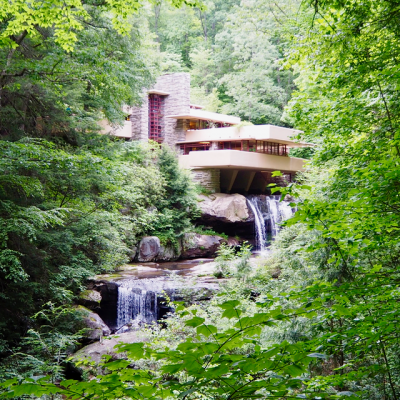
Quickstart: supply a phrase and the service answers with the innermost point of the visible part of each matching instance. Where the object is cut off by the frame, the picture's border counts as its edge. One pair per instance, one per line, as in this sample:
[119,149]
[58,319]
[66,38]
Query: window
[156,103]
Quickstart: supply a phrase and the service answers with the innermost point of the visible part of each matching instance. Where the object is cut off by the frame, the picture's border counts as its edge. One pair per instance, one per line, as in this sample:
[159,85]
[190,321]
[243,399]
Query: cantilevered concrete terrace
[269,133]
[243,156]
[236,159]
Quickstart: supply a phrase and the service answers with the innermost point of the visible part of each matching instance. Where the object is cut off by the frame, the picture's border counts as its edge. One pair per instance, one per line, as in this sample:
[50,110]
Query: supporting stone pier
[237,181]
[209,179]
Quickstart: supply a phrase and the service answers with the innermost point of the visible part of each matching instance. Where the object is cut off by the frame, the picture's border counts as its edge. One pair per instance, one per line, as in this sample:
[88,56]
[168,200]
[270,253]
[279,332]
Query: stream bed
[138,293]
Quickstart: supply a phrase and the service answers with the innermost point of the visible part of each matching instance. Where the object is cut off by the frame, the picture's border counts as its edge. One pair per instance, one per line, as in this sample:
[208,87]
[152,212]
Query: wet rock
[234,242]
[90,299]
[109,299]
[228,208]
[196,245]
[95,351]
[96,328]
[149,247]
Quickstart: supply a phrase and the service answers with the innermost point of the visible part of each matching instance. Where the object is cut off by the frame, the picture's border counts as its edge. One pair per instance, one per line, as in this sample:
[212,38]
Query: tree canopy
[319,319]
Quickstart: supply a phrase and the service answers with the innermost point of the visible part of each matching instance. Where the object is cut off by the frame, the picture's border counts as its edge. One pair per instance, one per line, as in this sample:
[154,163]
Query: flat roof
[207,116]
[160,92]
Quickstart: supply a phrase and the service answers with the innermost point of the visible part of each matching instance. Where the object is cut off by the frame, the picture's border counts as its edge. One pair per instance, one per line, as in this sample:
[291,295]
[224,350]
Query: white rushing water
[137,300]
[268,208]
[136,305]
[144,300]
[259,222]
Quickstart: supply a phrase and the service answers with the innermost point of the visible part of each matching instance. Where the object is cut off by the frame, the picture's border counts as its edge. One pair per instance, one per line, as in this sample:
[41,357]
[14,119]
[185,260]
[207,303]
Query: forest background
[328,326]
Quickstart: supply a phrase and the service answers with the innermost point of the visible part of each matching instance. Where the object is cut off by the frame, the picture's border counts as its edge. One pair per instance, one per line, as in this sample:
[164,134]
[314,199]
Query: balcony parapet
[240,160]
[270,133]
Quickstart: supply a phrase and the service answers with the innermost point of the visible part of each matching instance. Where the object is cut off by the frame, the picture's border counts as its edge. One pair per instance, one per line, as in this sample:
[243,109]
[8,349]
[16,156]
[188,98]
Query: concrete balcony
[240,160]
[269,133]
[124,131]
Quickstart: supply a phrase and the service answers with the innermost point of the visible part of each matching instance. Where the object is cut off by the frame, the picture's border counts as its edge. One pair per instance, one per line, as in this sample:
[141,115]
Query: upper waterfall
[269,212]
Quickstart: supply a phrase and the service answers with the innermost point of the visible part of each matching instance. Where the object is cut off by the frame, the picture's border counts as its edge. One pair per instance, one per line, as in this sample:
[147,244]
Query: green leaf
[134,350]
[229,304]
[231,313]
[196,321]
[206,330]
[172,368]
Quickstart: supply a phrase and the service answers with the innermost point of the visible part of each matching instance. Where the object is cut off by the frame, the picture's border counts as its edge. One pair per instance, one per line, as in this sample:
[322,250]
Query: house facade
[222,154]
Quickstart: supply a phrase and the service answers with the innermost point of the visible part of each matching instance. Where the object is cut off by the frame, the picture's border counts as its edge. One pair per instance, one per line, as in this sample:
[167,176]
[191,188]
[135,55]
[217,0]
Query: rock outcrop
[228,208]
[94,352]
[169,253]
[149,247]
[96,328]
[197,246]
[90,299]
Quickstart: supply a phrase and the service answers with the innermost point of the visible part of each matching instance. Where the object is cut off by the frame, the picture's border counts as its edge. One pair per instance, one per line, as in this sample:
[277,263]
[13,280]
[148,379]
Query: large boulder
[90,299]
[198,246]
[96,328]
[94,352]
[223,207]
[149,247]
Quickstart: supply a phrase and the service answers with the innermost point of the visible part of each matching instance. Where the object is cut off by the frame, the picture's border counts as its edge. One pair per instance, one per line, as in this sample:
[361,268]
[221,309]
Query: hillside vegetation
[318,318]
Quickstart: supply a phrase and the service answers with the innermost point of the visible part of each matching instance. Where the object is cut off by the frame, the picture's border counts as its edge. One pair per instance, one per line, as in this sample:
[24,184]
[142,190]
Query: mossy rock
[90,295]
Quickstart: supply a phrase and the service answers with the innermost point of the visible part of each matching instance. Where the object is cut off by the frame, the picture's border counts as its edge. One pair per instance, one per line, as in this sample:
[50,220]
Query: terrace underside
[251,182]
[240,171]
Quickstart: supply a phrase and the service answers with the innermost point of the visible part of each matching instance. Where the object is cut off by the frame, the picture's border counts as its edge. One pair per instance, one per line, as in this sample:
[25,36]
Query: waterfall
[279,211]
[140,300]
[271,209]
[258,222]
[136,304]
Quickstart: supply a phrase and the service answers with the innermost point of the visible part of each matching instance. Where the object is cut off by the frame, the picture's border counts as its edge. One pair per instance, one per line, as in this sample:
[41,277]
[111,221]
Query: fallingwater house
[222,155]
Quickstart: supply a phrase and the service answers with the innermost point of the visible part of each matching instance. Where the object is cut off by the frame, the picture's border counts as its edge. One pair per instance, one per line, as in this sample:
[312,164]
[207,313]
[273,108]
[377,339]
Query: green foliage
[232,261]
[233,51]
[65,17]
[62,220]
[225,254]
[45,348]
[202,230]
[48,92]
[178,206]
[302,152]
[211,363]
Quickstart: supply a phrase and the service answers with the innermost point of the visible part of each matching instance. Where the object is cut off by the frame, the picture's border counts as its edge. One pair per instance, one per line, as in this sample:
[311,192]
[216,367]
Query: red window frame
[156,105]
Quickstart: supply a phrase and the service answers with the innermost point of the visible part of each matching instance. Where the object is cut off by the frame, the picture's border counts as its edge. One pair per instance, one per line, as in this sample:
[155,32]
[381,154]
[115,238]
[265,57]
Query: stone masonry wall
[208,178]
[140,120]
[177,102]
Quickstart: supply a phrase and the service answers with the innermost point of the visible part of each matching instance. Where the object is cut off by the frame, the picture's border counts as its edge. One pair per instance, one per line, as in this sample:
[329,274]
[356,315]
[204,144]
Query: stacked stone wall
[177,102]
[140,120]
[207,178]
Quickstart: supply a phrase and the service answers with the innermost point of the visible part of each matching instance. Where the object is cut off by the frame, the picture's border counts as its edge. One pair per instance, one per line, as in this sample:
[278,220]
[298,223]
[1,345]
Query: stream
[139,293]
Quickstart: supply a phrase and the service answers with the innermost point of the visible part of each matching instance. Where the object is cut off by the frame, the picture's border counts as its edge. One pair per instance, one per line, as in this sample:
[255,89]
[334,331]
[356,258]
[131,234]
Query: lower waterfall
[144,301]
[138,301]
[268,212]
[136,305]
